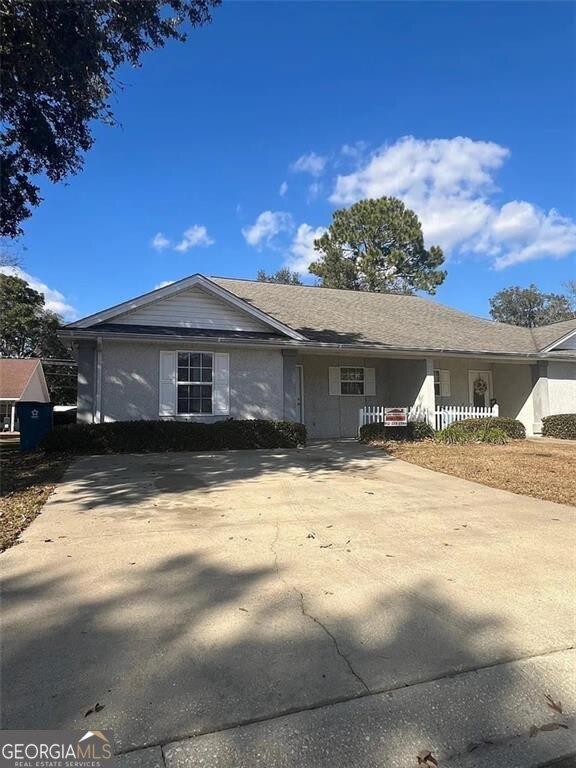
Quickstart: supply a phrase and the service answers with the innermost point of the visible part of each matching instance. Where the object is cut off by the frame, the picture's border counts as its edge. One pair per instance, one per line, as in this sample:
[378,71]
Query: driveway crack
[332,638]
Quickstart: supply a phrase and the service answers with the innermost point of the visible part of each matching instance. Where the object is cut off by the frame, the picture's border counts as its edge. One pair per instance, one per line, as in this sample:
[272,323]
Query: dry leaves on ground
[26,481]
[530,467]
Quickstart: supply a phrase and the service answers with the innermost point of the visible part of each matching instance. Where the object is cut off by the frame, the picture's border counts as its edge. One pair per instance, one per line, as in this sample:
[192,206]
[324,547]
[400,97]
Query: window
[351,381]
[195,381]
[441,383]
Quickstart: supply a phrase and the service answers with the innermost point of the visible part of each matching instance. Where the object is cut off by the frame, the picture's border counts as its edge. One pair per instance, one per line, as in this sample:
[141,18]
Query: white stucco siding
[193,308]
[130,381]
[562,387]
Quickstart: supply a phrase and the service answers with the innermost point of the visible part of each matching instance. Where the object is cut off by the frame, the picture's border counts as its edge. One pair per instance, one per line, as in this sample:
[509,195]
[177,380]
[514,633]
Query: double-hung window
[441,383]
[351,381]
[195,382]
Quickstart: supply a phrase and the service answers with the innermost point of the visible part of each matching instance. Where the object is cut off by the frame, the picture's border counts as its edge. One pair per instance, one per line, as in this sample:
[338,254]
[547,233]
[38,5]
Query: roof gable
[17,376]
[557,336]
[194,302]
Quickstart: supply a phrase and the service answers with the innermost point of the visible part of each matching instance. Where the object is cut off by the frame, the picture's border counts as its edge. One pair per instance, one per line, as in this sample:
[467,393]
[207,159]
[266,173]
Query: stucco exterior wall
[562,387]
[326,416]
[130,381]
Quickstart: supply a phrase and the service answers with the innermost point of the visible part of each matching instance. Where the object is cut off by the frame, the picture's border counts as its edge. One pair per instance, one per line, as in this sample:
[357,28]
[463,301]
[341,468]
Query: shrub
[562,425]
[459,433]
[64,417]
[512,427]
[156,436]
[415,430]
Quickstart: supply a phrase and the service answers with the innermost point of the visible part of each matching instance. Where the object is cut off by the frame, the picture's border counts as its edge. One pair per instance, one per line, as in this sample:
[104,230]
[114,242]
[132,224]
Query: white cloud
[283,188]
[450,183]
[267,226]
[314,191]
[355,150]
[302,252]
[159,242]
[54,300]
[311,163]
[193,237]
[163,284]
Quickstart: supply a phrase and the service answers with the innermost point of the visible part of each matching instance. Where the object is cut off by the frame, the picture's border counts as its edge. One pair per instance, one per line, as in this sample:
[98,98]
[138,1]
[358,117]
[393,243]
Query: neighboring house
[206,349]
[21,380]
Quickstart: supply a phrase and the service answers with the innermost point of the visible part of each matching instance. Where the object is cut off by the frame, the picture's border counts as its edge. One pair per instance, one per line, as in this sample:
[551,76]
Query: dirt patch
[26,481]
[532,468]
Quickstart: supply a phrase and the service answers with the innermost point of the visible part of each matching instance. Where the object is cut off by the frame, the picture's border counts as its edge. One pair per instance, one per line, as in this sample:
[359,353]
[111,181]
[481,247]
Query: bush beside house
[158,436]
[414,430]
[458,434]
[512,428]
[562,425]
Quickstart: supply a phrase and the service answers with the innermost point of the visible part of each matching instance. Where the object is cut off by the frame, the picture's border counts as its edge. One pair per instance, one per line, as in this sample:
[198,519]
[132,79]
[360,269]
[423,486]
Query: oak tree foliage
[59,64]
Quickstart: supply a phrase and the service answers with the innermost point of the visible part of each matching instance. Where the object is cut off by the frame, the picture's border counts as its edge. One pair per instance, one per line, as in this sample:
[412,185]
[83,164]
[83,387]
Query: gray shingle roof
[547,334]
[355,318]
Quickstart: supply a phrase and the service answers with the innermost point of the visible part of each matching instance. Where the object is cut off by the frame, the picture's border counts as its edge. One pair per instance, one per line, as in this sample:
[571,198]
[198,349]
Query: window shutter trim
[369,382]
[168,386]
[333,380]
[221,386]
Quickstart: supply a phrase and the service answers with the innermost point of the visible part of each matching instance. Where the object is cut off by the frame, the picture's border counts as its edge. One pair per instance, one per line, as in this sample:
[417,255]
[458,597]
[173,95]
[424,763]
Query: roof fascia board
[178,287]
[305,347]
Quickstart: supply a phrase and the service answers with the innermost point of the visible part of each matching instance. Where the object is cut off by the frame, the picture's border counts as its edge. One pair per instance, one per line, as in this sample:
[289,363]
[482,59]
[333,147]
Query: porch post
[13,417]
[540,397]
[290,385]
[426,399]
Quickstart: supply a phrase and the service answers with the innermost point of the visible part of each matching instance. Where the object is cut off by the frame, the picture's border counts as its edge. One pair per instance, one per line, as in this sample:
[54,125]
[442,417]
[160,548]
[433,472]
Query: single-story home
[214,348]
[21,380]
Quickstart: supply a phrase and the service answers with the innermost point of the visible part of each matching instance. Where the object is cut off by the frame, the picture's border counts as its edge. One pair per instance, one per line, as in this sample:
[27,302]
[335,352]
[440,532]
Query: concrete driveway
[185,594]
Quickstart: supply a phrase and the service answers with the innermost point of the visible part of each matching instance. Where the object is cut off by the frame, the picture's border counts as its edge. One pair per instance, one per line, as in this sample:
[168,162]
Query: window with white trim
[195,382]
[441,382]
[352,381]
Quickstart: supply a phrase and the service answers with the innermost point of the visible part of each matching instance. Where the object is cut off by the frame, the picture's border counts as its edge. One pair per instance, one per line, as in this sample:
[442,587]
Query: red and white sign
[395,417]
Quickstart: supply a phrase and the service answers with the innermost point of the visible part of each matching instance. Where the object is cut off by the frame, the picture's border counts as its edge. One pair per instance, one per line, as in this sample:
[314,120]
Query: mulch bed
[536,468]
[26,481]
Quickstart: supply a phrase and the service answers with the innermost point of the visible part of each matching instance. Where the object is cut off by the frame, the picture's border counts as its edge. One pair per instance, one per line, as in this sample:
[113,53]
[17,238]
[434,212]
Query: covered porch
[329,391]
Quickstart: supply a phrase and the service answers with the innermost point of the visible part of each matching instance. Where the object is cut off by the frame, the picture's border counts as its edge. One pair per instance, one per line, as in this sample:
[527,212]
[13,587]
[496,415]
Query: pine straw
[545,470]
[26,481]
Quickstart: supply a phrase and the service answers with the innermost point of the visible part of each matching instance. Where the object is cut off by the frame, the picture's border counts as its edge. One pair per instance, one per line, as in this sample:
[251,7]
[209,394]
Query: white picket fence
[443,415]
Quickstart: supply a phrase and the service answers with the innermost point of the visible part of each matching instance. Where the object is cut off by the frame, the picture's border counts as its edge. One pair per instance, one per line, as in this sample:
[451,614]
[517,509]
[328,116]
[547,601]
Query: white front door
[300,393]
[480,388]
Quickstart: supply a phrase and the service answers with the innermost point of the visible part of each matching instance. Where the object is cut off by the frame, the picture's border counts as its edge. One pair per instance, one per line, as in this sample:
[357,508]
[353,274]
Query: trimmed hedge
[414,430]
[511,427]
[158,436]
[562,425]
[59,418]
[459,433]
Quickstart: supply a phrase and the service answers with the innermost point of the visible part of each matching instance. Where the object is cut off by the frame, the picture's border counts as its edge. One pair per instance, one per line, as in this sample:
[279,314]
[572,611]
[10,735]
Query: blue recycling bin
[35,421]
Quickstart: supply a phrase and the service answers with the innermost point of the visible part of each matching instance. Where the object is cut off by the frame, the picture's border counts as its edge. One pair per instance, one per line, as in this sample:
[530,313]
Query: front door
[480,388]
[300,393]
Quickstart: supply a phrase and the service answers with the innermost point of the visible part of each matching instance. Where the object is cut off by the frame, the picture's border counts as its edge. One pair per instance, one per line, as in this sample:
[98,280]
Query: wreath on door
[480,386]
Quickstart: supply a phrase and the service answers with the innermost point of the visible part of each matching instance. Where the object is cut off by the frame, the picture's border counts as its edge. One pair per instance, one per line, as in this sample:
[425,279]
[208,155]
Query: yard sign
[395,417]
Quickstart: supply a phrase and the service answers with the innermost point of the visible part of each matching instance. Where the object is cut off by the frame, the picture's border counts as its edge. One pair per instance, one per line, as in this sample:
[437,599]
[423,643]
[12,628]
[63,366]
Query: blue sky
[248,137]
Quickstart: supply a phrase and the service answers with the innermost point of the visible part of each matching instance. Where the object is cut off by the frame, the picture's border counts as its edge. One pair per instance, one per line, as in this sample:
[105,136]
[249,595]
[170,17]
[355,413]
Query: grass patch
[26,481]
[532,467]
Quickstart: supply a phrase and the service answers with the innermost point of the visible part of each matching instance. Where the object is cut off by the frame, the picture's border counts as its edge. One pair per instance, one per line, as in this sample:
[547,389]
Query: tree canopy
[284,276]
[28,329]
[530,307]
[59,59]
[377,245]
